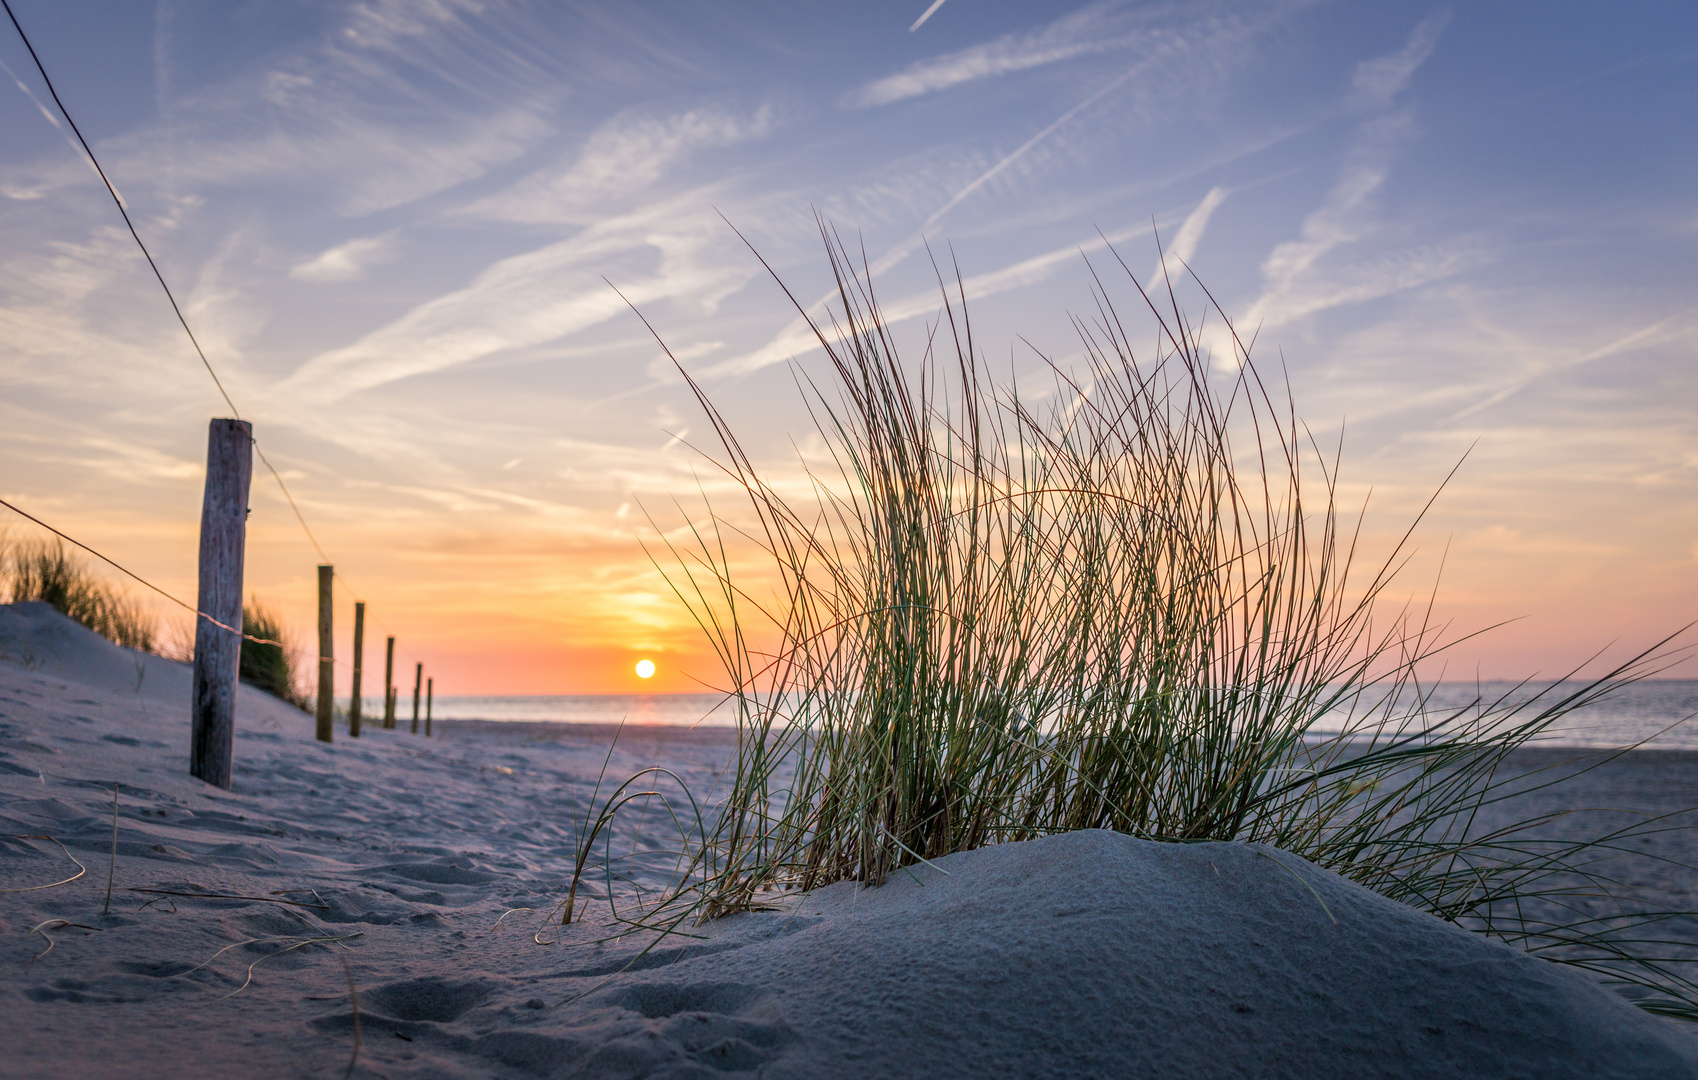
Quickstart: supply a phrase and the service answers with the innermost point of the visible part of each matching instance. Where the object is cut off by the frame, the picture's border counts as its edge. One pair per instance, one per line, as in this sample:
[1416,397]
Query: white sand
[1083,955]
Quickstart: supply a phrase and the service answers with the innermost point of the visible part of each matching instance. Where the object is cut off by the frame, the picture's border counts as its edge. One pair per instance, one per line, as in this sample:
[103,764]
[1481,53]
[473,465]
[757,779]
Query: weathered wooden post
[430,689]
[418,684]
[359,664]
[389,684]
[218,649]
[394,694]
[326,655]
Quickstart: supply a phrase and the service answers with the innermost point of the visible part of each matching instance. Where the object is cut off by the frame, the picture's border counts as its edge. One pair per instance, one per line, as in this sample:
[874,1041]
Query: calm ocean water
[1629,715]
[685,709]
[1663,711]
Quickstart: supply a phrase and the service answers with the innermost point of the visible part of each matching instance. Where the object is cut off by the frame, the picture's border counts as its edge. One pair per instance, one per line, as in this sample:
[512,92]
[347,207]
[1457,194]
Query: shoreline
[583,730]
[1543,754]
[418,876]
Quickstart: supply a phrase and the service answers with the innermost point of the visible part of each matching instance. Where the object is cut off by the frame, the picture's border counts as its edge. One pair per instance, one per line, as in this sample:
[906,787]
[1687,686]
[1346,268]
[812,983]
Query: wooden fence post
[418,684]
[326,655]
[430,689]
[218,649]
[389,684]
[354,702]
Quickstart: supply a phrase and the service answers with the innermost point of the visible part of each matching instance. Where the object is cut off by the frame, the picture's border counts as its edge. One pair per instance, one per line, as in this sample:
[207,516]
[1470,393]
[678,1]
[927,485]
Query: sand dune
[37,638]
[1089,954]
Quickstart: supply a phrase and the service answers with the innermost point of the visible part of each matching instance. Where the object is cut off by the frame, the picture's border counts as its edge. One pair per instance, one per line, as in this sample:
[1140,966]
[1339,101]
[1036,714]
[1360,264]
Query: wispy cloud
[1178,49]
[1184,246]
[798,339]
[1025,148]
[89,447]
[1065,39]
[1367,279]
[1376,82]
[534,298]
[361,160]
[53,119]
[1197,47]
[1146,34]
[625,155]
[366,117]
[1660,332]
[1294,282]
[387,23]
[346,261]
[928,13]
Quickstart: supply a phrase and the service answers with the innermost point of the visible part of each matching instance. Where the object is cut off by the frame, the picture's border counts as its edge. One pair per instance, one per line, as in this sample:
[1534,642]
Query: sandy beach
[419,873]
[912,540]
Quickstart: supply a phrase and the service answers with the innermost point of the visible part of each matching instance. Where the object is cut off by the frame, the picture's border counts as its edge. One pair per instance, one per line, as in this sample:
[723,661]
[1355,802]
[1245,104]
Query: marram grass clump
[1129,602]
[270,662]
[46,571]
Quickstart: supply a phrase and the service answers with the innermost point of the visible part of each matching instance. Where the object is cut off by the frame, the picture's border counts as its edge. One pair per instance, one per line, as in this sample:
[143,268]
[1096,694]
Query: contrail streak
[1024,147]
[921,21]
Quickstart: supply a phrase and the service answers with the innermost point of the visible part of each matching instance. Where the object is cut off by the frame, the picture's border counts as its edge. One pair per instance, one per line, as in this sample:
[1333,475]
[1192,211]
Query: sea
[1657,713]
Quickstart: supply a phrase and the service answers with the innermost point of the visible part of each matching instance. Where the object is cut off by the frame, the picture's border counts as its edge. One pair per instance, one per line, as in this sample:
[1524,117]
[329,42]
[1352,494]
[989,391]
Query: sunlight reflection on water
[671,709]
[1630,714]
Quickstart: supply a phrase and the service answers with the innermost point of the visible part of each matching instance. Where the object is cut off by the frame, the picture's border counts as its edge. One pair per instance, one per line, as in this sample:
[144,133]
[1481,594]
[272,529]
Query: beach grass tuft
[270,664]
[46,571]
[1130,601]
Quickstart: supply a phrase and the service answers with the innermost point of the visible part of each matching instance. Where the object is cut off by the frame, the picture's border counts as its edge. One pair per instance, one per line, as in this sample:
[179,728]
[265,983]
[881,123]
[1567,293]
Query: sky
[1463,233]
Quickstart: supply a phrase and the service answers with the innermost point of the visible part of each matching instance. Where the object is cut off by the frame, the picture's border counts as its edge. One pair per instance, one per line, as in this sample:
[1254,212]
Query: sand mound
[1089,954]
[36,637]
[1094,954]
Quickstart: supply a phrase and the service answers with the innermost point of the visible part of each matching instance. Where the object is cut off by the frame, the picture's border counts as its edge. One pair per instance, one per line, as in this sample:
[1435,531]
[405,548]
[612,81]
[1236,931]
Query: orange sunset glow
[414,304]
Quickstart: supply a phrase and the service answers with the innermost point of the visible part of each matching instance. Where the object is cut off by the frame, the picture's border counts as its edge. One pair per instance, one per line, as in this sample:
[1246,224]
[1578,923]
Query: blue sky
[390,223]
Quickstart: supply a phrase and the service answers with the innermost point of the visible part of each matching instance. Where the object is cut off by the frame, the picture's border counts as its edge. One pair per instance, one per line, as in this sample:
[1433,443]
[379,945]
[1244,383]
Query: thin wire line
[181,319]
[136,576]
[378,619]
[185,606]
[159,276]
[119,203]
[279,478]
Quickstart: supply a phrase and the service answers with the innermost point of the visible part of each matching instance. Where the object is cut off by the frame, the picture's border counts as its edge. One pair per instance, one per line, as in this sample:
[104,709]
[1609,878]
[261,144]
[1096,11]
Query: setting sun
[645,669]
